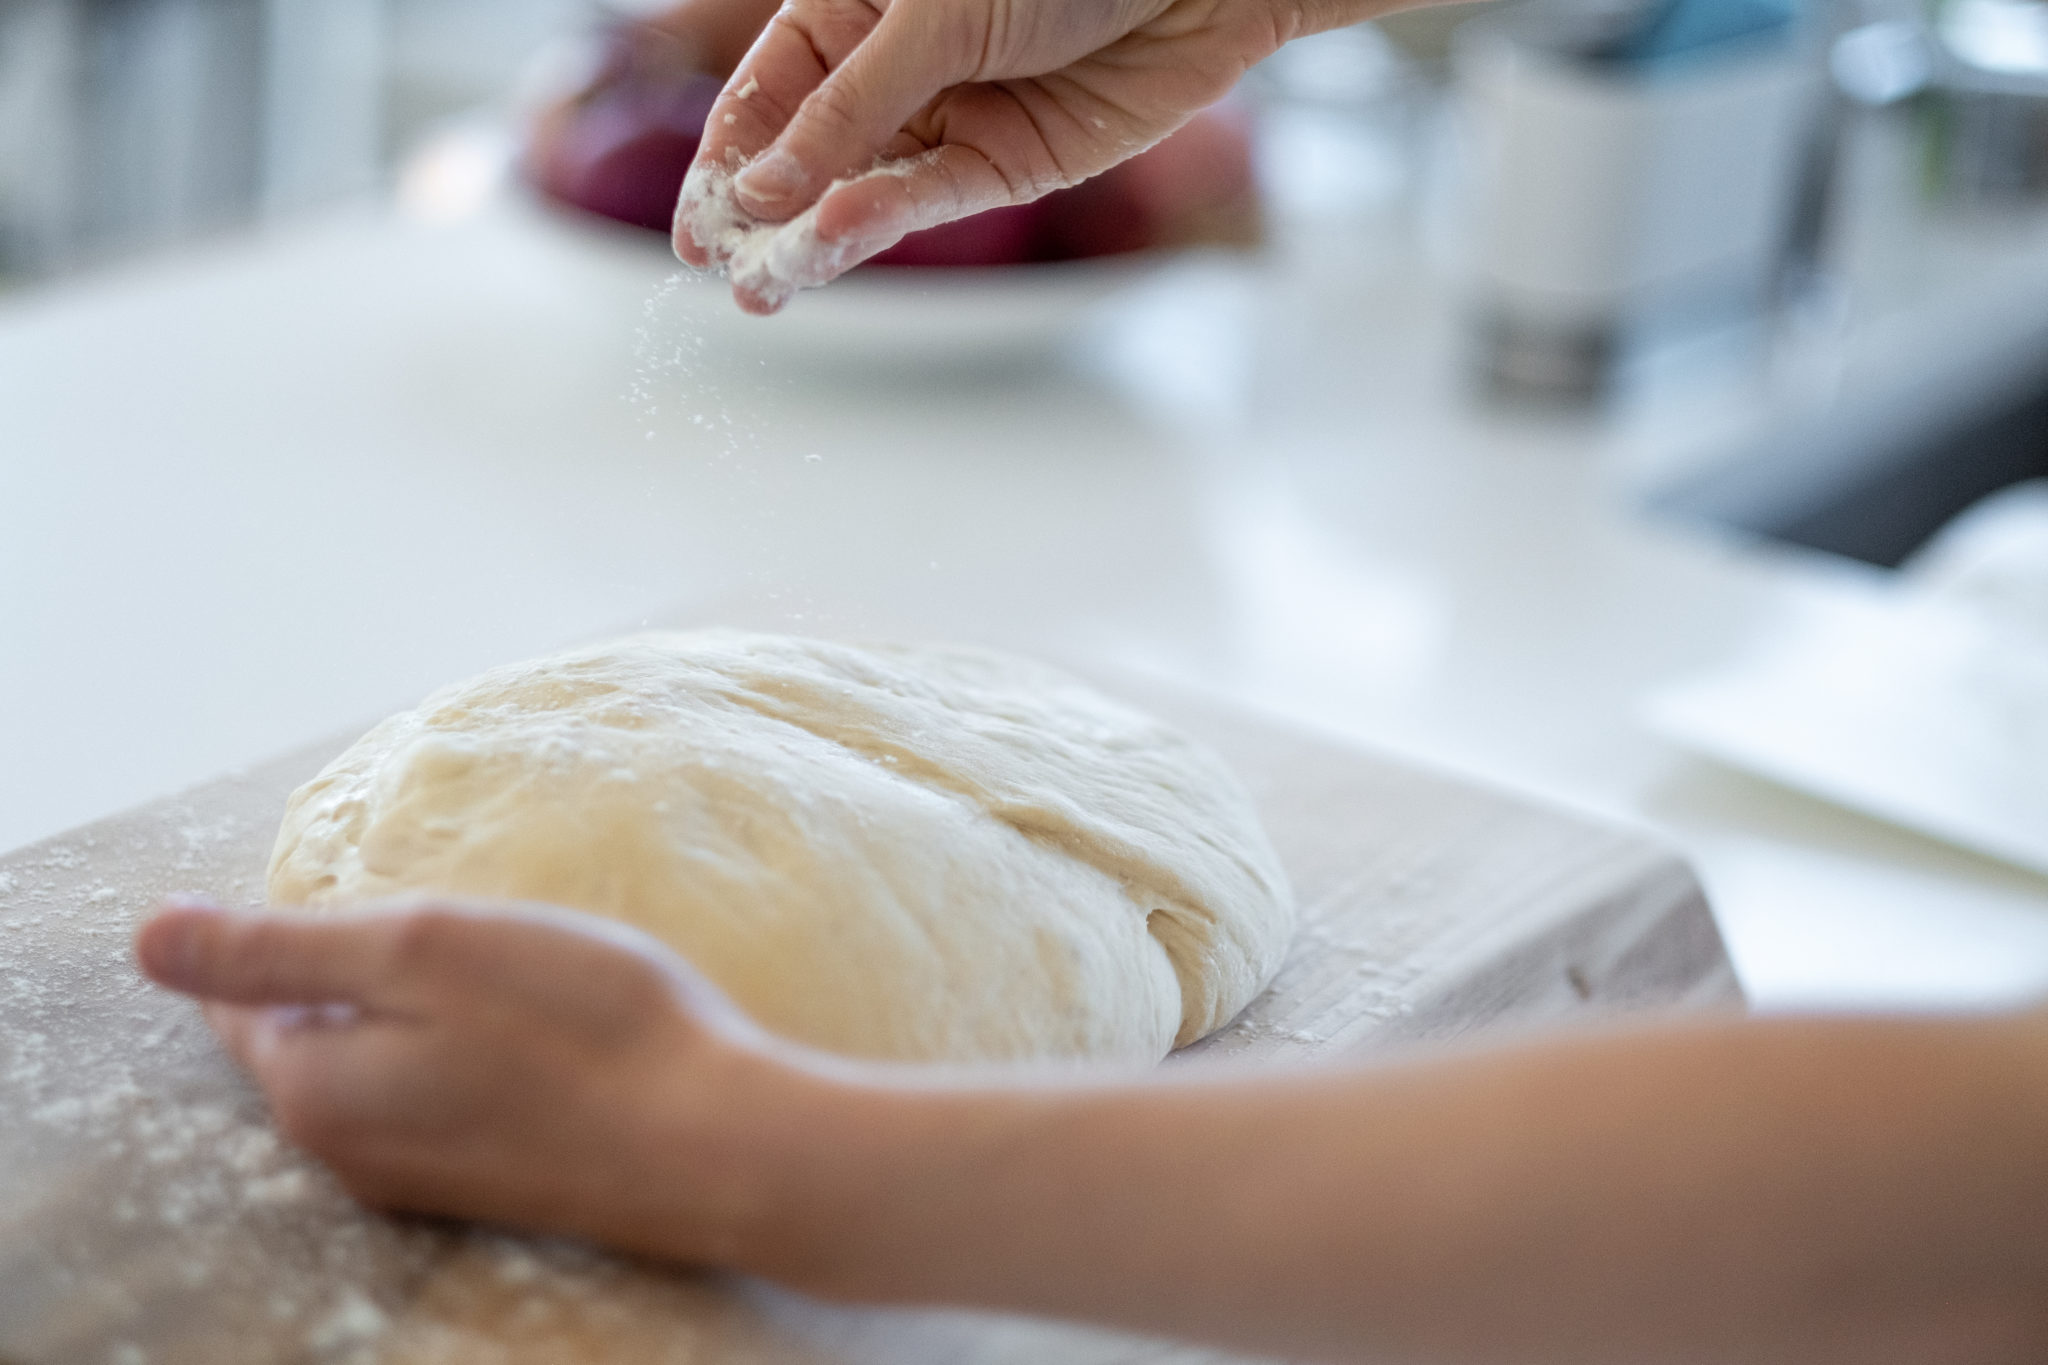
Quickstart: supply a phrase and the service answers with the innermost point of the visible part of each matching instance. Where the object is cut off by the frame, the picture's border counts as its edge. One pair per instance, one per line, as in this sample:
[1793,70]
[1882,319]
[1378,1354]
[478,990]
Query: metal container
[1609,194]
[1987,94]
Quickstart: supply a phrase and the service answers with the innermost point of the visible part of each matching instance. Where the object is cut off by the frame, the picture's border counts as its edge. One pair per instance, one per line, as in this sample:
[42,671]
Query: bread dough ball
[918,853]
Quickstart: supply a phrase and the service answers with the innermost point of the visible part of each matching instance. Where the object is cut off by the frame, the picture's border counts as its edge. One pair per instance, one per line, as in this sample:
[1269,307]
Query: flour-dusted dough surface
[920,853]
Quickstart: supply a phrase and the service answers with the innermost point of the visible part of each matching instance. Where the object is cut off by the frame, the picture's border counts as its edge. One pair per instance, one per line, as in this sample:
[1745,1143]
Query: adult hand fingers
[790,59]
[255,958]
[923,191]
[867,215]
[855,111]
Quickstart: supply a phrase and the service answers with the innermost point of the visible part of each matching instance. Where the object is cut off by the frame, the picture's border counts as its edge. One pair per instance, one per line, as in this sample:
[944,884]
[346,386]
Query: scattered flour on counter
[198,838]
[59,1112]
[134,1160]
[62,858]
[142,1183]
[354,1320]
[286,1187]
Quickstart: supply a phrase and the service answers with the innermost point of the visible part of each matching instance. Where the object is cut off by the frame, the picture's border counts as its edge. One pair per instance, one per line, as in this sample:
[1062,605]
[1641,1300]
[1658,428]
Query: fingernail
[773,178]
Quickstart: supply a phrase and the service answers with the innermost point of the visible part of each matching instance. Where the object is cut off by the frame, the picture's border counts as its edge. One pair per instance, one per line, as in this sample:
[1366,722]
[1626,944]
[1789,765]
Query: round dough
[918,853]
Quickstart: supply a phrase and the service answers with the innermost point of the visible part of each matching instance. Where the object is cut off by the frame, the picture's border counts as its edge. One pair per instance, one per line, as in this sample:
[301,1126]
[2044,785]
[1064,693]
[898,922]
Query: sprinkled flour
[770,260]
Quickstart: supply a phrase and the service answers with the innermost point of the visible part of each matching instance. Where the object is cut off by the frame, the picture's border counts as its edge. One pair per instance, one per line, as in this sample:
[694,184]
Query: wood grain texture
[150,1216]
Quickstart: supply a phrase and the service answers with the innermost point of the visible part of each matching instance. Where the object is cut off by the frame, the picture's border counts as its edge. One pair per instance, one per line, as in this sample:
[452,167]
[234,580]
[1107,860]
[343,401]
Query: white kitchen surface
[1913,710]
[255,493]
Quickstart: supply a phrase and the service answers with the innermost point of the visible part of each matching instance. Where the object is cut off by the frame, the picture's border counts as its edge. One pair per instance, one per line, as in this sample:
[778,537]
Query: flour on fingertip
[770,260]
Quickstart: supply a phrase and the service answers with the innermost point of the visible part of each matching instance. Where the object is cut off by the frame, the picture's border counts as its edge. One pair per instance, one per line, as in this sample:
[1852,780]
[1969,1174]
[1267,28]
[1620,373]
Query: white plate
[895,317]
[1914,710]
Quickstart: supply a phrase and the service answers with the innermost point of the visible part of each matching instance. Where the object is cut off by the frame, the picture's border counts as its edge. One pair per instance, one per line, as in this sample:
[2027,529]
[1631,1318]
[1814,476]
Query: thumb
[849,119]
[255,958]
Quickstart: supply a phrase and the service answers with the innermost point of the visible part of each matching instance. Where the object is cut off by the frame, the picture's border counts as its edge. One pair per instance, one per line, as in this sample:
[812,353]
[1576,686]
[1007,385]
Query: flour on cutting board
[192,1191]
[151,1215]
[178,1173]
[189,1178]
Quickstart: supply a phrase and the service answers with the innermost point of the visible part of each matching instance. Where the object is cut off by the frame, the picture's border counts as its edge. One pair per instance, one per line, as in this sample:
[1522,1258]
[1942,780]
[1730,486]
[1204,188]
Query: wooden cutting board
[150,1216]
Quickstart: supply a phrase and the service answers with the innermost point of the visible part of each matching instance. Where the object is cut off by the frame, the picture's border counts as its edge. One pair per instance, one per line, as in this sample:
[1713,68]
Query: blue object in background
[1664,30]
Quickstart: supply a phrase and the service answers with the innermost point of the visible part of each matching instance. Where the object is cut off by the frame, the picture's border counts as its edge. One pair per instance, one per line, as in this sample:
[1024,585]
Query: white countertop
[252,495]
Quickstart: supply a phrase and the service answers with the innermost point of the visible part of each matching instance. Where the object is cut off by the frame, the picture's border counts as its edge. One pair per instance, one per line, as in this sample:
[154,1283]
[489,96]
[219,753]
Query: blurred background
[127,125]
[1644,402]
[1597,180]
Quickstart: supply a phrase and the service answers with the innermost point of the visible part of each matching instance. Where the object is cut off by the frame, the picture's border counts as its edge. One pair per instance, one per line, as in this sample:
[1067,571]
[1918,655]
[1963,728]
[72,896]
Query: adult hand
[977,102]
[516,1065]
